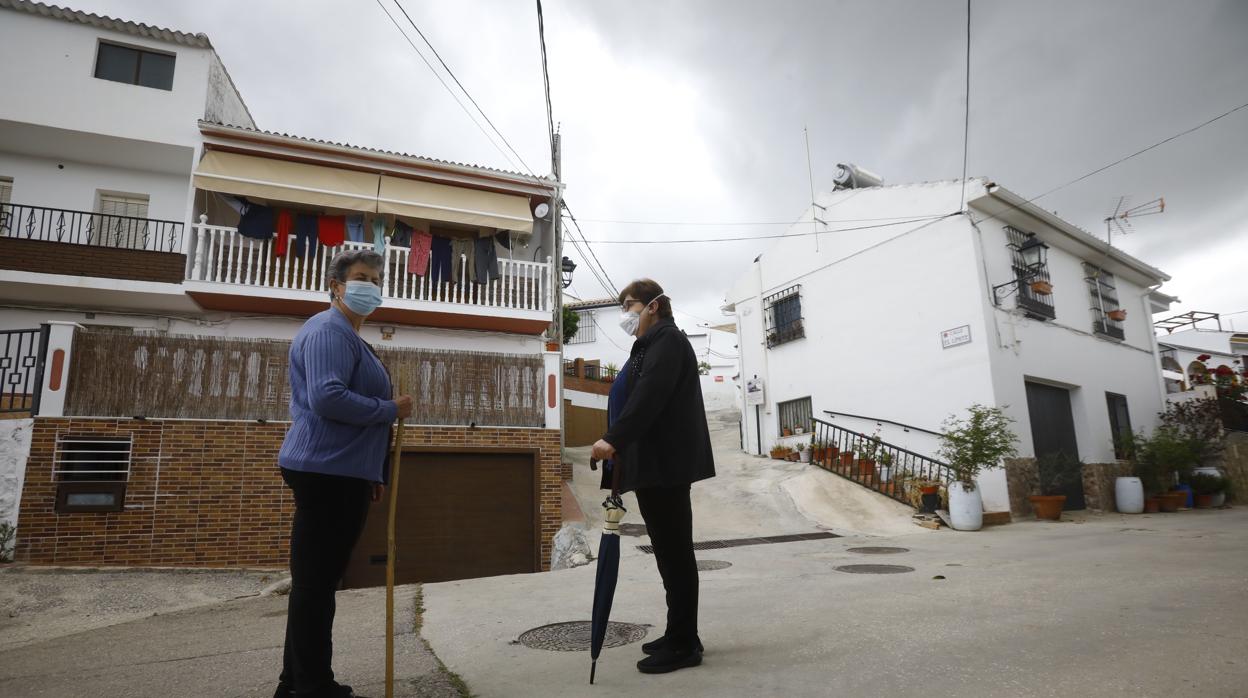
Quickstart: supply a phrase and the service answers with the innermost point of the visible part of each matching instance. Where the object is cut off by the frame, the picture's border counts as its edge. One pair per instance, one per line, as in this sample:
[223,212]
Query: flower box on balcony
[1042,288]
[1117,315]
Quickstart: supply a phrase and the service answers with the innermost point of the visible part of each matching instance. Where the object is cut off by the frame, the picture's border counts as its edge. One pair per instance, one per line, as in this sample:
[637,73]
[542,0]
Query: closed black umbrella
[608,571]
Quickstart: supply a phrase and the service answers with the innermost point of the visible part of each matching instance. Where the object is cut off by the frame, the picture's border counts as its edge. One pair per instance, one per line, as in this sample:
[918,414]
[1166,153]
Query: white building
[600,342]
[920,313]
[1195,344]
[119,145]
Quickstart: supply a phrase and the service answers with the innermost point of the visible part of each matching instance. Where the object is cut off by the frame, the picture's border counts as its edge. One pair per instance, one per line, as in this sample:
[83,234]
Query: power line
[966,125]
[753,223]
[567,208]
[764,237]
[461,85]
[448,87]
[550,116]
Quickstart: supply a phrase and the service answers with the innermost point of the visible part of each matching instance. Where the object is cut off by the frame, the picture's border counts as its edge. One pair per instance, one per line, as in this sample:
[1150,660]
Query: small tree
[1057,470]
[703,368]
[571,323]
[976,443]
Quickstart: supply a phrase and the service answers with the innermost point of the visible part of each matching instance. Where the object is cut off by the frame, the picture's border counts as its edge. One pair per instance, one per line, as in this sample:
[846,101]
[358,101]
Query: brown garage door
[460,515]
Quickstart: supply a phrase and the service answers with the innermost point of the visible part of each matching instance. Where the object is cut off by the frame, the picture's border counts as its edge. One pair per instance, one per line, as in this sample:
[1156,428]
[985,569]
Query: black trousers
[669,522]
[330,511]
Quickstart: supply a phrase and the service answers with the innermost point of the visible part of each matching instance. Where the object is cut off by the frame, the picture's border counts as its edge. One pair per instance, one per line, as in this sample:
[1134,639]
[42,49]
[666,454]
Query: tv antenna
[1124,213]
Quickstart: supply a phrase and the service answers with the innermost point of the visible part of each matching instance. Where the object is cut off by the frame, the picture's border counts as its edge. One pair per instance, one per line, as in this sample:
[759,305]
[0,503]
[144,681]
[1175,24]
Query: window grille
[1104,293]
[92,459]
[794,415]
[784,316]
[586,330]
[1035,304]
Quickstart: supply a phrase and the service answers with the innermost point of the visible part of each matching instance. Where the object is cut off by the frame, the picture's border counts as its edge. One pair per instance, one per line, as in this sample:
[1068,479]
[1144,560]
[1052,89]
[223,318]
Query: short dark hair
[342,262]
[646,290]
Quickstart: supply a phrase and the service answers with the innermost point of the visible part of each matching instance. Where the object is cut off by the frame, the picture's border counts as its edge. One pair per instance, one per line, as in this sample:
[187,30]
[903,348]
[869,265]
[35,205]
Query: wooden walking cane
[395,460]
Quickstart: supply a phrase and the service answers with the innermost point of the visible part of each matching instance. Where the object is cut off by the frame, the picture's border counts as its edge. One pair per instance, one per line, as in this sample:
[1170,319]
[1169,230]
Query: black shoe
[656,646]
[667,660]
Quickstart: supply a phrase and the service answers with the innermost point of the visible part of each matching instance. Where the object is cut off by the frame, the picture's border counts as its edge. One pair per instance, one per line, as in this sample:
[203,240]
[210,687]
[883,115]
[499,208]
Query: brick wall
[209,493]
[45,257]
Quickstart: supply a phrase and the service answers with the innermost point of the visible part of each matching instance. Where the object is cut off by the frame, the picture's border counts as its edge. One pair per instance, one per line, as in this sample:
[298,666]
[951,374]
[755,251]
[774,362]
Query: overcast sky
[693,111]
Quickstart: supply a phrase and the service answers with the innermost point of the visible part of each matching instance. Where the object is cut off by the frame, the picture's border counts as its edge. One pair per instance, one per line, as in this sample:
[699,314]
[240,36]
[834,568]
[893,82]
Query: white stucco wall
[64,93]
[582,399]
[67,184]
[14,449]
[224,104]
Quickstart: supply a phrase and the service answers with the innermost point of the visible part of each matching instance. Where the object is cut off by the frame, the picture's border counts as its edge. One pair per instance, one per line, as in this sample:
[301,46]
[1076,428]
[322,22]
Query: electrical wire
[754,223]
[461,85]
[446,86]
[568,209]
[764,237]
[550,115]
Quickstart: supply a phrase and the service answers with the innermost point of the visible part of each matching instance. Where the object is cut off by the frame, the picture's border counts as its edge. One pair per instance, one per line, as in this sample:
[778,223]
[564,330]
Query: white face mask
[631,320]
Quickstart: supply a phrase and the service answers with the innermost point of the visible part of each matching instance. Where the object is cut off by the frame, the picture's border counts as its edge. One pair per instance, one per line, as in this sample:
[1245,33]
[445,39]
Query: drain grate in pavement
[712,565]
[878,550]
[574,636]
[738,542]
[632,529]
[874,569]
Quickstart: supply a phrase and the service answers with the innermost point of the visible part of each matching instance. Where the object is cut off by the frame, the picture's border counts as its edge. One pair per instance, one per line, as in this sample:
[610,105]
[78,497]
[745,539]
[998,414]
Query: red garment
[331,230]
[284,222]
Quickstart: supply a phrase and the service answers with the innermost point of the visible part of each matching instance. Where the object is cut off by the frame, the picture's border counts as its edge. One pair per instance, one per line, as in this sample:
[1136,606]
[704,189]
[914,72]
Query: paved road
[1150,605]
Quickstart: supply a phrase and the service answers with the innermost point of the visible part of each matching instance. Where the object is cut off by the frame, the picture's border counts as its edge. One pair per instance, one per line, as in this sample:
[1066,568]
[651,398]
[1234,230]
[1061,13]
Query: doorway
[1053,431]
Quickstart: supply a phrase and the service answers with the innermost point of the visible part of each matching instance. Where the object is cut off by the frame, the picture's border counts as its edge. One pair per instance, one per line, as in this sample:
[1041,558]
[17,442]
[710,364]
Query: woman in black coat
[658,438]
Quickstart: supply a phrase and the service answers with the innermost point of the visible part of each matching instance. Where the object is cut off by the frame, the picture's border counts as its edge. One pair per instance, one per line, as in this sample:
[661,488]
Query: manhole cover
[712,565]
[632,529]
[879,550]
[574,636]
[874,569]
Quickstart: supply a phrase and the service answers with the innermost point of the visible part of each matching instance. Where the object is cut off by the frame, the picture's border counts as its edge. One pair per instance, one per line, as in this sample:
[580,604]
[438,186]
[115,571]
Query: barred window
[91,473]
[795,415]
[1107,314]
[784,316]
[586,330]
[1035,294]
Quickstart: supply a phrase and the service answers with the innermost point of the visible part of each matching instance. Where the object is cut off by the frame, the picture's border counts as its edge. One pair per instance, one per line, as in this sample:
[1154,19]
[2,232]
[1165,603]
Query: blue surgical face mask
[362,297]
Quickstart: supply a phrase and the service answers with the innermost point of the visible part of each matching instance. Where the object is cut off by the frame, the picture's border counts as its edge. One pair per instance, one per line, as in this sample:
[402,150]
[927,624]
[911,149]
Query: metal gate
[21,369]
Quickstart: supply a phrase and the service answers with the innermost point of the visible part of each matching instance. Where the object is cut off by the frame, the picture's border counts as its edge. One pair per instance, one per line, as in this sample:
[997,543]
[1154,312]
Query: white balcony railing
[219,254]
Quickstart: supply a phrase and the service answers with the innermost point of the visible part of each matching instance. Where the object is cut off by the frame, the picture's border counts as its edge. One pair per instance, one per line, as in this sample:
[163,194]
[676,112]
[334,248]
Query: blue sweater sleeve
[329,360]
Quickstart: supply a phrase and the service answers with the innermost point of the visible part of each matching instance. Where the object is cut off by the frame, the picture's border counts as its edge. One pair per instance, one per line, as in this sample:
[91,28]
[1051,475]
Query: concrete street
[1116,605]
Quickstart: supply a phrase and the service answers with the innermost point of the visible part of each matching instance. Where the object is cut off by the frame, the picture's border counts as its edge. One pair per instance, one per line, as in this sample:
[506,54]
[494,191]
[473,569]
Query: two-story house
[152,313]
[908,311]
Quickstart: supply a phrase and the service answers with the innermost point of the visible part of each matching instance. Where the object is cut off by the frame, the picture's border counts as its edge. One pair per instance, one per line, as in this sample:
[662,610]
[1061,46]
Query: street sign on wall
[956,336]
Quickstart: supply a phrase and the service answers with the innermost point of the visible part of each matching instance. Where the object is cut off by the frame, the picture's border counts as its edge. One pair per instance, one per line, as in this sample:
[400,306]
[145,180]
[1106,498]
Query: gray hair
[343,261]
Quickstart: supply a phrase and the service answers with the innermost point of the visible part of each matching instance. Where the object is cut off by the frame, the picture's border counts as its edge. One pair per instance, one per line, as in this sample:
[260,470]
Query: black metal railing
[1234,414]
[784,316]
[1103,325]
[87,228]
[1035,293]
[21,369]
[878,465]
[881,420]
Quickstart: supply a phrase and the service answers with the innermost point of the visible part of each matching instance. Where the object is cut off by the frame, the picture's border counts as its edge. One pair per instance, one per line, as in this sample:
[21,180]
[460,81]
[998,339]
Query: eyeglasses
[628,303]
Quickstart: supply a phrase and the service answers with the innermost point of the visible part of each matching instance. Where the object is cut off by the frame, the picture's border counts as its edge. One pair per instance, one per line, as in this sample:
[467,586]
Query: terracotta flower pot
[866,466]
[819,454]
[929,489]
[1168,503]
[847,459]
[787,432]
[1152,505]
[1048,507]
[1204,501]
[1117,315]
[552,346]
[1042,288]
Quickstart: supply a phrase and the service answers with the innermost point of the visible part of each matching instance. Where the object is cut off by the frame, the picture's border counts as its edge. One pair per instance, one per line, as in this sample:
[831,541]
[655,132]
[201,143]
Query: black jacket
[661,437]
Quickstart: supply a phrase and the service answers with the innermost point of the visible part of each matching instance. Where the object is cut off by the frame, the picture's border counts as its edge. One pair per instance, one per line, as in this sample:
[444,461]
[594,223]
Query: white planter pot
[966,509]
[1218,500]
[886,473]
[1208,470]
[1129,494]
[804,456]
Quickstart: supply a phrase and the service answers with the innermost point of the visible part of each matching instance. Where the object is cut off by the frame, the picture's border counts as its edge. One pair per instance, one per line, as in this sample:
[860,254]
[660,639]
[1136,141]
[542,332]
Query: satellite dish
[541,210]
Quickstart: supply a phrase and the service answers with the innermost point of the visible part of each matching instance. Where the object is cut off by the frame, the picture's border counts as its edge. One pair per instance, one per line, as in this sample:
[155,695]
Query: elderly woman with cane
[334,461]
[658,438]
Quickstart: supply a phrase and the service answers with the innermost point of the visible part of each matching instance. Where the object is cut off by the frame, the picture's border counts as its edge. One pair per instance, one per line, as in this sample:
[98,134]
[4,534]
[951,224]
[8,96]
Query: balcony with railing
[231,272]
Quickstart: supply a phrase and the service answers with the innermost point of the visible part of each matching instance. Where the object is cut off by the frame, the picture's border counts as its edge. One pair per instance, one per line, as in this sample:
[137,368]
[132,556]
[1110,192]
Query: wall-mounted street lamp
[567,266]
[1035,256]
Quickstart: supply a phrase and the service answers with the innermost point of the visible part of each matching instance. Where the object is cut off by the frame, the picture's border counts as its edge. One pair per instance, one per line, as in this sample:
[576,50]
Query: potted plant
[969,446]
[779,451]
[925,495]
[847,458]
[1117,315]
[1041,288]
[868,454]
[786,431]
[820,448]
[1219,497]
[1204,487]
[804,453]
[1054,472]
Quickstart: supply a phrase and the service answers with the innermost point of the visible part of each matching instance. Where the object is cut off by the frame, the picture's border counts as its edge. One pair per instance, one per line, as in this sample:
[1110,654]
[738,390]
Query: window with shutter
[122,221]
